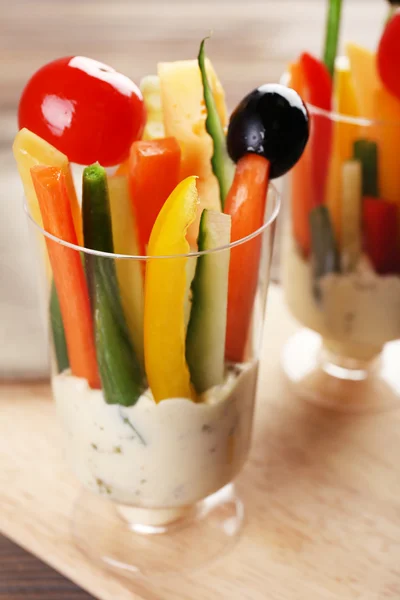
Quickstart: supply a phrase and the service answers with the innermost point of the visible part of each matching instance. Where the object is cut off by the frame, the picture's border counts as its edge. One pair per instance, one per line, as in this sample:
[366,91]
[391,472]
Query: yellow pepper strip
[129,272]
[334,188]
[344,135]
[165,287]
[365,78]
[345,103]
[377,103]
[31,150]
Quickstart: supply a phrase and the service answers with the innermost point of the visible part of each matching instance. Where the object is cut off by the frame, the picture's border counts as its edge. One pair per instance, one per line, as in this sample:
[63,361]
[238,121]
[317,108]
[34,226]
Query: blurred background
[252,42]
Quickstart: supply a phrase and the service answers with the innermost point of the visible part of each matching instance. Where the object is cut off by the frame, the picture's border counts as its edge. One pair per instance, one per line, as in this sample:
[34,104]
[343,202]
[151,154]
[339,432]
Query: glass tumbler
[341,264]
[157,493]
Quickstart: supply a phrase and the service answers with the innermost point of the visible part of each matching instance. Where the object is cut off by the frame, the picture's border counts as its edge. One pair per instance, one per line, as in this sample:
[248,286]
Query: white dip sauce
[164,455]
[358,310]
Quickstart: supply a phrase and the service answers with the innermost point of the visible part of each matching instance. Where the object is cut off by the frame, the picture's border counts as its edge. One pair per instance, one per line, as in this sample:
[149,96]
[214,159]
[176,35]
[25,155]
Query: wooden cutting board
[322,493]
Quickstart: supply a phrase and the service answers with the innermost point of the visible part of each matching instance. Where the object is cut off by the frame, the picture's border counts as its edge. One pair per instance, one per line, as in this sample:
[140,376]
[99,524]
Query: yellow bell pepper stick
[129,272]
[165,287]
[31,150]
[344,135]
[365,78]
[345,103]
[377,103]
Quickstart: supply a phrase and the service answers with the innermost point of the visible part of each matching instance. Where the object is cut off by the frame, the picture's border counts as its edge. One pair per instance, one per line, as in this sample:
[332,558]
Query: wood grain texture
[24,577]
[295,448]
[322,494]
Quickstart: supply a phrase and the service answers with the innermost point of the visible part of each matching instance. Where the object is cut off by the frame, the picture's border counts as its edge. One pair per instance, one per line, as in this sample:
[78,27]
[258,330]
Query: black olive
[272,121]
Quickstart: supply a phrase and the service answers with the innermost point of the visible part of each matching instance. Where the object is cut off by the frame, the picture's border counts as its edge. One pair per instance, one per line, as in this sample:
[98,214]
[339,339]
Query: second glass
[341,264]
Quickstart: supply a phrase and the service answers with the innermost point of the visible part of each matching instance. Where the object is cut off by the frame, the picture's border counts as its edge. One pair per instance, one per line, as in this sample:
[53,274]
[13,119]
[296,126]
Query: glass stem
[348,361]
[149,521]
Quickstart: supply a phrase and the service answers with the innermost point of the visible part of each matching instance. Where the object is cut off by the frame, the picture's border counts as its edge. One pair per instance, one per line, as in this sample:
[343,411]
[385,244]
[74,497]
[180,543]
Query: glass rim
[113,255]
[334,115]
[350,120]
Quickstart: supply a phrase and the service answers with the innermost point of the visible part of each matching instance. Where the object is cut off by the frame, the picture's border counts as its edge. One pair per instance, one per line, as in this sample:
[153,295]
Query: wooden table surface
[321,493]
[252,42]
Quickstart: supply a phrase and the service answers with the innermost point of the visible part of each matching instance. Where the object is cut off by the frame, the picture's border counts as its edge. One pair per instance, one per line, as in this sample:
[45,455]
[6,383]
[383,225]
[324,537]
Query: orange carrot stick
[69,278]
[153,174]
[245,203]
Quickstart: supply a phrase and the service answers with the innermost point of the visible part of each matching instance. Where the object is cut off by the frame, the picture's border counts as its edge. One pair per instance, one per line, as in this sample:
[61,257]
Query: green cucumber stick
[205,338]
[222,166]
[57,328]
[367,153]
[121,375]
[332,34]
[325,255]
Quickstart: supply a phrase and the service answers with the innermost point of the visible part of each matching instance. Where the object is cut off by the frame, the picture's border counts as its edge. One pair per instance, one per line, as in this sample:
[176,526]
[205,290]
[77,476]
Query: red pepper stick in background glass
[69,277]
[318,92]
[381,227]
[246,203]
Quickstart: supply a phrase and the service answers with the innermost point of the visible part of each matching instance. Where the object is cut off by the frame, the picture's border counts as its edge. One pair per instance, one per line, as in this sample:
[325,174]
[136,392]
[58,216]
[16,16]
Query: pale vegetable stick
[344,135]
[351,214]
[129,272]
[345,103]
[151,90]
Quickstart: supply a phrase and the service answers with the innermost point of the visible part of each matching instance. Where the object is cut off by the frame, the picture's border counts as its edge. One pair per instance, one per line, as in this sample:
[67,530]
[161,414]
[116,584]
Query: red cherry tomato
[388,55]
[84,108]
